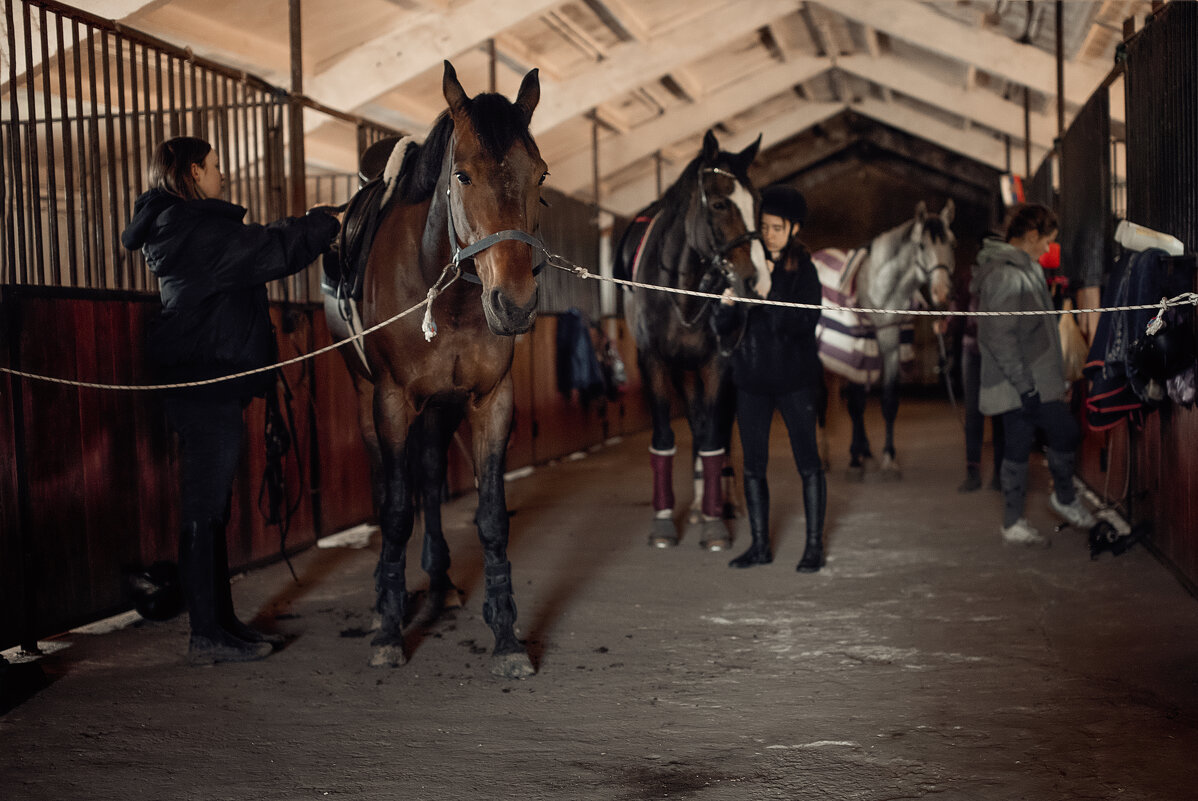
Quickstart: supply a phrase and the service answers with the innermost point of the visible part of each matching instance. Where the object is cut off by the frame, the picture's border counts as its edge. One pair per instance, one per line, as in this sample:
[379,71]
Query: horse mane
[499,123]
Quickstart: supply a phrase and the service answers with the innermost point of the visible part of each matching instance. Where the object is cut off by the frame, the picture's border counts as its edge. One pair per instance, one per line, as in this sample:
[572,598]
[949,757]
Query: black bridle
[461,254]
[719,268]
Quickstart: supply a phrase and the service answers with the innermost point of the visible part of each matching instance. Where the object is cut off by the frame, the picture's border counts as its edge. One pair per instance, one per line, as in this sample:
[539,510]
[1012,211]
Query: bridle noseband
[461,254]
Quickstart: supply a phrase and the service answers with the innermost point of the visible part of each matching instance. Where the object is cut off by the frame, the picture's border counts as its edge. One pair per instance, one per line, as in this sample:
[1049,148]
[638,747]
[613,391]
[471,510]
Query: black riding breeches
[210,434]
[755,413]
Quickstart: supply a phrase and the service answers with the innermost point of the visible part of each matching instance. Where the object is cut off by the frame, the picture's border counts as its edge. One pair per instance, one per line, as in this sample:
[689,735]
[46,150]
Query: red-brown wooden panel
[345,495]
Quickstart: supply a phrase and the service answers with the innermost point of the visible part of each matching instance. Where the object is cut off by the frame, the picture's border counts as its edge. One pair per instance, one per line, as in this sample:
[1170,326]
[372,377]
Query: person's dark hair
[783,200]
[1028,217]
[170,166]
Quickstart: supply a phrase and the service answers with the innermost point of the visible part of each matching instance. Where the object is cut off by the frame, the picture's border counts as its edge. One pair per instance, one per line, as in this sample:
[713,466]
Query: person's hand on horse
[335,212]
[727,298]
[940,326]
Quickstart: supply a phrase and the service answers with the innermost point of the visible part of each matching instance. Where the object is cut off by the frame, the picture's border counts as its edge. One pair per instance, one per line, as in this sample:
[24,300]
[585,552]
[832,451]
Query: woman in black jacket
[212,270]
[775,365]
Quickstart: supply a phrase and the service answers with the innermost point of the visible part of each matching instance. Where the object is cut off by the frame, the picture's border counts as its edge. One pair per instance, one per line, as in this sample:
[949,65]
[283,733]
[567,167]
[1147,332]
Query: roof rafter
[632,64]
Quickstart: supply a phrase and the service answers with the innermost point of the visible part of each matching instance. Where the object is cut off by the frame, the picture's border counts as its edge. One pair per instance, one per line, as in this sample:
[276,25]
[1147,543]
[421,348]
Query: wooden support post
[1060,68]
[1027,132]
[492,76]
[298,196]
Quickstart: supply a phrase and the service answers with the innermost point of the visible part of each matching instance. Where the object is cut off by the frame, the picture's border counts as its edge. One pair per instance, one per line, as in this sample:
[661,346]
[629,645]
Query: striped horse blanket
[848,344]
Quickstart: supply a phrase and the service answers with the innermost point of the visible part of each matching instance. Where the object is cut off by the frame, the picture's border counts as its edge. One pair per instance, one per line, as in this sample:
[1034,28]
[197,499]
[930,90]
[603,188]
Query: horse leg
[859,446]
[889,345]
[438,426]
[725,415]
[703,401]
[661,451]
[392,418]
[491,421]
[370,438]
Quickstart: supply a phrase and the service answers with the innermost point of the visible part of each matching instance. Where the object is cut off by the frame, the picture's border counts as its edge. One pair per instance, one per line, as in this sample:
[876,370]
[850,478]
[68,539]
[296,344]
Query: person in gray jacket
[1023,376]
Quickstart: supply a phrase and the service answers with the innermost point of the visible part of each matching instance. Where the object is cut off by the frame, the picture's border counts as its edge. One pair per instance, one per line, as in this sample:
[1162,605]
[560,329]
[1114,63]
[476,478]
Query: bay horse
[458,202]
[700,235]
[913,261]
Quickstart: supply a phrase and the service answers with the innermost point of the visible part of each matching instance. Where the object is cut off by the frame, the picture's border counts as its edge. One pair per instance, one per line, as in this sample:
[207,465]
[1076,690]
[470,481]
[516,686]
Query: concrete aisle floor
[926,660]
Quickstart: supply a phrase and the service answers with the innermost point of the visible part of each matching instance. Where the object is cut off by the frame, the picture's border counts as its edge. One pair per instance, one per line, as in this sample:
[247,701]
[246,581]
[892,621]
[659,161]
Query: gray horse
[910,262]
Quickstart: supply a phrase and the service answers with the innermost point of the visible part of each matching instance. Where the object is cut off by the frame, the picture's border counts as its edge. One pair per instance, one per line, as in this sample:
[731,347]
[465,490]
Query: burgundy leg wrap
[663,481]
[713,490]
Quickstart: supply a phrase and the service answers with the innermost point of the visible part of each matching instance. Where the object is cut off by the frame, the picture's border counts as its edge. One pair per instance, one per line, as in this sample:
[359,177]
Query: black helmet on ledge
[783,200]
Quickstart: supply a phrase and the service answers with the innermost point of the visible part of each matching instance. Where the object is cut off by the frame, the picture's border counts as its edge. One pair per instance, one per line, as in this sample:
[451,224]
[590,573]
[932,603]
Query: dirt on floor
[926,659]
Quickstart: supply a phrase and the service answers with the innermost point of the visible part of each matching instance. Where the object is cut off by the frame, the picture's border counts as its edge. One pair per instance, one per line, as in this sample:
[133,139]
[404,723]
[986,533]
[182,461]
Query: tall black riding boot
[197,562]
[815,501]
[224,595]
[757,499]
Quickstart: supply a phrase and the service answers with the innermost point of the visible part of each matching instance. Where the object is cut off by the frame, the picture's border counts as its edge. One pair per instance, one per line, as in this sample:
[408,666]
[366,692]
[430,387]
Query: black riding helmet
[783,200]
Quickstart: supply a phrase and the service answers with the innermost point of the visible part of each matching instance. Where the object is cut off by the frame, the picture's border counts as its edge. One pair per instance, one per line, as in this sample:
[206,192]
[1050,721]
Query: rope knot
[1158,322]
[428,325]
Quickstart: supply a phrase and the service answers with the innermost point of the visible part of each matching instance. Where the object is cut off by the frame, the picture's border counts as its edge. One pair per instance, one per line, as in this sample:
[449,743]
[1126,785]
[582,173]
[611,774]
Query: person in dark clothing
[975,421]
[775,365]
[212,270]
[1022,375]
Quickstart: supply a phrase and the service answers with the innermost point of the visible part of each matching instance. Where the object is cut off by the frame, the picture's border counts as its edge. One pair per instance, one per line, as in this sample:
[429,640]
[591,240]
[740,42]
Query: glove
[1030,401]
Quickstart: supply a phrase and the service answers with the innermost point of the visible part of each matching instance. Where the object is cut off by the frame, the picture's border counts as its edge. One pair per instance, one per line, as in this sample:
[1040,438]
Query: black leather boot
[209,642]
[815,501]
[757,499]
[224,595]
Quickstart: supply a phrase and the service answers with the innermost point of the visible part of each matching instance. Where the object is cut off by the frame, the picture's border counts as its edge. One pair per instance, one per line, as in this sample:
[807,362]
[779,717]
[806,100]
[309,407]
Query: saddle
[345,263]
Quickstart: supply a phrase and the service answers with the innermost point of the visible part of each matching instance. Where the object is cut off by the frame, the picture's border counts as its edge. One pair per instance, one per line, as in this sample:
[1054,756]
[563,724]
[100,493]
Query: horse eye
[462,177]
[544,177]
[720,205]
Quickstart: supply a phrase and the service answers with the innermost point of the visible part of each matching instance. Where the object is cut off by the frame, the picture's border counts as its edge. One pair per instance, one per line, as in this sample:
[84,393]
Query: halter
[718,264]
[461,254]
[927,273]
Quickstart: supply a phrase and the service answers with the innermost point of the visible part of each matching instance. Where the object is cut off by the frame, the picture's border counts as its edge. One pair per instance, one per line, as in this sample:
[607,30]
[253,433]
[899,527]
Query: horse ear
[711,148]
[948,212]
[529,95]
[921,212]
[749,154]
[455,95]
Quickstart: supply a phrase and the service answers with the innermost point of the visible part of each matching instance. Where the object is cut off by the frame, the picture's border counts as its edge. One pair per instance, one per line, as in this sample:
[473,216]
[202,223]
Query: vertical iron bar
[68,158]
[160,117]
[31,151]
[134,153]
[113,239]
[17,222]
[84,200]
[1027,132]
[1060,68]
[100,278]
[51,156]
[492,77]
[172,107]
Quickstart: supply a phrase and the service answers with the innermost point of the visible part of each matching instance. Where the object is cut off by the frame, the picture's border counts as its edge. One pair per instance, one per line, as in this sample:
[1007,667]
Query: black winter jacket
[212,270]
[778,352]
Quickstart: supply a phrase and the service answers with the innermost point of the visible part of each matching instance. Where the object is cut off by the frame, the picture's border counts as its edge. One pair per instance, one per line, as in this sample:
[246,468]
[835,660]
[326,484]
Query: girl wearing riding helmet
[775,365]
[212,270]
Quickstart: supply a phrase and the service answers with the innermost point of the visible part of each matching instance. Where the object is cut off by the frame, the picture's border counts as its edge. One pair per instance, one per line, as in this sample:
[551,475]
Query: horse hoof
[715,536]
[663,534]
[391,656]
[512,666]
[694,517]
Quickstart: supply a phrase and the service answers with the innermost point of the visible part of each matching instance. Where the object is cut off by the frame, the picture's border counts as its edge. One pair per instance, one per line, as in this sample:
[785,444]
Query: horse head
[933,241]
[493,174]
[720,220]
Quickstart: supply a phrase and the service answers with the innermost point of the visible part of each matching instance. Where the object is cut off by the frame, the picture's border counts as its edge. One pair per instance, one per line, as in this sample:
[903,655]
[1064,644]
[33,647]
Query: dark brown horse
[478,174]
[700,235]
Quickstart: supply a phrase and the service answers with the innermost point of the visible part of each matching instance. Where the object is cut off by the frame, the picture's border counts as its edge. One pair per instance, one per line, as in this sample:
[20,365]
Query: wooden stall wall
[1151,472]
[101,467]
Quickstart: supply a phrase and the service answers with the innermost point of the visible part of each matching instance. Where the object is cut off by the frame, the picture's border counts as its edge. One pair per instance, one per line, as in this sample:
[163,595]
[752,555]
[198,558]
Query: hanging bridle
[719,268]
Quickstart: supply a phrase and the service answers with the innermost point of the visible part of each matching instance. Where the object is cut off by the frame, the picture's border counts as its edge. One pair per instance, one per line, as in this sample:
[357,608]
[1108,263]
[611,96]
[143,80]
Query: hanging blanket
[848,344]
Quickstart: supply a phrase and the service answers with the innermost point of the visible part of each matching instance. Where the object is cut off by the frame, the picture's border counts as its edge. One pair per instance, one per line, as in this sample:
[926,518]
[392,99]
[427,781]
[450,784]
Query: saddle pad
[848,344]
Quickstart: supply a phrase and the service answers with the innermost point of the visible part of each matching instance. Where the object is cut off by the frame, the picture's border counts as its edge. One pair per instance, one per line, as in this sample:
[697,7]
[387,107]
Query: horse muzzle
[505,317]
